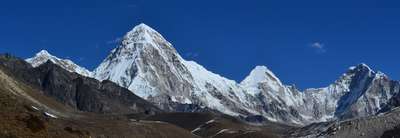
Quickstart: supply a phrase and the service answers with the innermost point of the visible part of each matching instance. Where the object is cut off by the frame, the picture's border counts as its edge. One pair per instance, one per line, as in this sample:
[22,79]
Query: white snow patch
[44,56]
[221,131]
[197,129]
[34,107]
[50,115]
[211,121]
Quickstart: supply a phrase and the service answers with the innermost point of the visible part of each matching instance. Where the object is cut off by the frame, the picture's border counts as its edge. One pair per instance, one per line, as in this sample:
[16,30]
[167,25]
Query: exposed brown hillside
[19,118]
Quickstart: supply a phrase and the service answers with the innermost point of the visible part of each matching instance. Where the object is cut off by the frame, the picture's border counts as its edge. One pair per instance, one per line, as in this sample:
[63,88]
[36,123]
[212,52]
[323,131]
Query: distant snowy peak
[358,71]
[261,74]
[361,68]
[144,34]
[40,58]
[44,56]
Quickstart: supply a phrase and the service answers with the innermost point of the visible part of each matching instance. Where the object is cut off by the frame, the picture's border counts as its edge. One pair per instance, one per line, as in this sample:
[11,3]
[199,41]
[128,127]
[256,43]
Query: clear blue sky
[307,43]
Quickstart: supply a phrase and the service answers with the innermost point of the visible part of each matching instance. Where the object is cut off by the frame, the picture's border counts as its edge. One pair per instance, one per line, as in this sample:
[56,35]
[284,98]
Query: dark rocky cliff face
[87,94]
[74,90]
[20,69]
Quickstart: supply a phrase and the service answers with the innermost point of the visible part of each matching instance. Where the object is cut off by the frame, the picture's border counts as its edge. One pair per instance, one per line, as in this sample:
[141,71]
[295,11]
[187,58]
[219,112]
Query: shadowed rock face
[74,90]
[88,94]
[395,100]
[20,69]
[27,113]
[393,133]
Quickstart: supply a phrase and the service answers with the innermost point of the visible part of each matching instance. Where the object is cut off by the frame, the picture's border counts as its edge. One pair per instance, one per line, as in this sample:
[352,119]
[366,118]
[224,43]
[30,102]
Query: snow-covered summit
[261,74]
[43,52]
[40,58]
[149,66]
[43,56]
[143,33]
[143,27]
[361,67]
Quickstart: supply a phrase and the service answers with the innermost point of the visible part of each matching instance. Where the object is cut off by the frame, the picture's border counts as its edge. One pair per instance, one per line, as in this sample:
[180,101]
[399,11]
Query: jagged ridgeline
[49,101]
[79,92]
[150,67]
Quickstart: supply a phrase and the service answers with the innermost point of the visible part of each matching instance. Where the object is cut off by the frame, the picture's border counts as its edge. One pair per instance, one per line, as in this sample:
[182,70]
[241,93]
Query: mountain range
[146,64]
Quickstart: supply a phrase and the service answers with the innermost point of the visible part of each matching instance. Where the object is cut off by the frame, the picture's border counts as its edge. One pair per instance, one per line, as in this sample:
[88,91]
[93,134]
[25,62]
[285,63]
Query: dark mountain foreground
[27,112]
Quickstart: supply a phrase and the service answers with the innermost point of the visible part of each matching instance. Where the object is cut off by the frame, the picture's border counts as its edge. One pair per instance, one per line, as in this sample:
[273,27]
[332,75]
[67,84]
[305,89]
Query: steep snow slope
[148,65]
[44,56]
[220,93]
[359,92]
[261,74]
[278,102]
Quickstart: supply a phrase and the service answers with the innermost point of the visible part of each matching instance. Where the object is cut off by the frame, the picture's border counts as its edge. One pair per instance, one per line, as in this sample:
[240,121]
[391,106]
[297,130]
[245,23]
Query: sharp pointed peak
[140,27]
[361,66]
[363,70]
[261,73]
[43,52]
[41,57]
[262,69]
[143,25]
[142,33]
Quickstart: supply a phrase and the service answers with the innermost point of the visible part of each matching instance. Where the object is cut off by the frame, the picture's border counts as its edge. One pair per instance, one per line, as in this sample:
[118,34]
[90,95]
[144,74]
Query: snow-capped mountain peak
[361,67]
[261,74]
[43,53]
[368,71]
[149,65]
[43,56]
[142,26]
[359,71]
[144,62]
[143,33]
[40,58]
